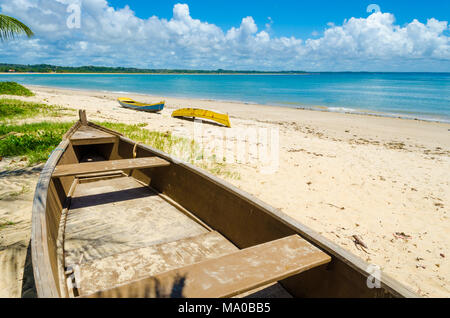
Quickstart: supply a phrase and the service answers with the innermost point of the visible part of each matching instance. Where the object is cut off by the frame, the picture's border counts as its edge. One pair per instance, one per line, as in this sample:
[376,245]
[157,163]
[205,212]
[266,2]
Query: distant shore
[37,73]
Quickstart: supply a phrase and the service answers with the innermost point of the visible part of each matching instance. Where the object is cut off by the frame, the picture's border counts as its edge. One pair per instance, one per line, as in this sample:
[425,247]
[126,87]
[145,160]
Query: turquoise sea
[410,95]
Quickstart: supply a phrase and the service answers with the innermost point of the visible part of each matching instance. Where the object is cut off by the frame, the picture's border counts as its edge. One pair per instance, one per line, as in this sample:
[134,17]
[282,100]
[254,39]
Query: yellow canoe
[203,113]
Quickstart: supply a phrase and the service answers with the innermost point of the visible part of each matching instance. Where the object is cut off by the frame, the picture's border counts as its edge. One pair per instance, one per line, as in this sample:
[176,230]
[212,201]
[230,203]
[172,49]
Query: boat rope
[134,150]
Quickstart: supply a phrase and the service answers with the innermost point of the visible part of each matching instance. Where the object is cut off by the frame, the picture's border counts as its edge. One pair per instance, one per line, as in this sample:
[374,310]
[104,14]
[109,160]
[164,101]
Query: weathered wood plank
[105,166]
[112,216]
[60,241]
[86,135]
[85,132]
[46,284]
[82,115]
[228,275]
[140,263]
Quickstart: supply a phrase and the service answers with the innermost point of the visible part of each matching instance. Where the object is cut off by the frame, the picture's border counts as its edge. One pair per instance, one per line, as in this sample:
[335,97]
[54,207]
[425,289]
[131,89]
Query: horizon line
[179,70]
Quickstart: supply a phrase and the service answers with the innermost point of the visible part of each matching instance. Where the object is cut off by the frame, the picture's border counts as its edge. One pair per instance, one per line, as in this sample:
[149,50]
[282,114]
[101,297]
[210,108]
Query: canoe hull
[149,109]
[203,113]
[153,108]
[221,206]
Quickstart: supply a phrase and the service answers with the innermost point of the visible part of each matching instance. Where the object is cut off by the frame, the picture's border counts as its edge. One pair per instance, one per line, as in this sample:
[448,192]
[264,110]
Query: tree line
[46,68]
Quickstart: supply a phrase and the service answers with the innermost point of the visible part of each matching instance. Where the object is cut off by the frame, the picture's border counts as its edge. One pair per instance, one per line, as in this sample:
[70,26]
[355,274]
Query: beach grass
[34,141]
[4,224]
[220,169]
[12,88]
[17,109]
[179,147]
[15,194]
[165,142]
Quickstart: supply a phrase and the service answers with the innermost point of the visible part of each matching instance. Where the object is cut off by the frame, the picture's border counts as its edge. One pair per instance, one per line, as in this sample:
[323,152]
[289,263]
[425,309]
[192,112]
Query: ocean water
[410,95]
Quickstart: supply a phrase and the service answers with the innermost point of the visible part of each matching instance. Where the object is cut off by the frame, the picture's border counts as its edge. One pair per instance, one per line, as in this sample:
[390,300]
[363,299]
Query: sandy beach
[386,180]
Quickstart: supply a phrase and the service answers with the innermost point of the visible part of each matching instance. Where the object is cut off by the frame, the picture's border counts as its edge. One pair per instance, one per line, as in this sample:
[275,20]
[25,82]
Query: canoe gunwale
[387,283]
[46,286]
[43,275]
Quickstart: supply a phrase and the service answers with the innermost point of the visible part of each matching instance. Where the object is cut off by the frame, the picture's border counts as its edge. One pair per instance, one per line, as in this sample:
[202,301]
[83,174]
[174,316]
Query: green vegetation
[16,109]
[220,169]
[4,224]
[11,27]
[12,195]
[162,141]
[45,68]
[34,141]
[182,148]
[12,88]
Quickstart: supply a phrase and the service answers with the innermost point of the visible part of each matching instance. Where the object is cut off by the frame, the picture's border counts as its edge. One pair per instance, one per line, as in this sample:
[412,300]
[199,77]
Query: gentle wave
[345,110]
[424,96]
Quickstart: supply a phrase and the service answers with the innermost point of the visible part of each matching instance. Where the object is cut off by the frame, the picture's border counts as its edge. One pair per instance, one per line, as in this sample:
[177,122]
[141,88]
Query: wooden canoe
[132,104]
[203,113]
[116,218]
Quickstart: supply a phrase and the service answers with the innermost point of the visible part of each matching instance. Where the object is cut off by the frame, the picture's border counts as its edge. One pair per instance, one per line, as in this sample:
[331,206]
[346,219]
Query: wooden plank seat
[228,275]
[86,135]
[135,264]
[106,166]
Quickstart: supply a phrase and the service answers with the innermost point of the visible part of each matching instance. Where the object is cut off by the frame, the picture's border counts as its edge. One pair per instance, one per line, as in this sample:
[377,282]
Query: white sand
[16,197]
[340,174]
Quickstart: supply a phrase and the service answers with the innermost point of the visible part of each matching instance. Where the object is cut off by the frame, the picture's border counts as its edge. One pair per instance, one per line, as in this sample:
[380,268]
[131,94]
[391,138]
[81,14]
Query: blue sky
[290,17]
[247,34]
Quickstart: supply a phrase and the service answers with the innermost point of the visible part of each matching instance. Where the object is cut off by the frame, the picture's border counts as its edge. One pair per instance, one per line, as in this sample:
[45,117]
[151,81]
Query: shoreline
[316,108]
[268,73]
[376,126]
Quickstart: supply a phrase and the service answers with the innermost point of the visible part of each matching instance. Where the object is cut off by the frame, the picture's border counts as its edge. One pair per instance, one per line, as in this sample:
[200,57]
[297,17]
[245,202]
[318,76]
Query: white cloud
[378,37]
[116,37]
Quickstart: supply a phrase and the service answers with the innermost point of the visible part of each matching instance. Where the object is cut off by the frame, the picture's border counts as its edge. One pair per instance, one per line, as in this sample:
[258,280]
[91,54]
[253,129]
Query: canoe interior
[101,230]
